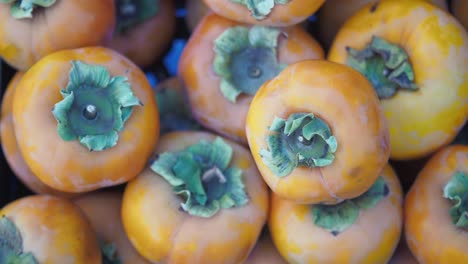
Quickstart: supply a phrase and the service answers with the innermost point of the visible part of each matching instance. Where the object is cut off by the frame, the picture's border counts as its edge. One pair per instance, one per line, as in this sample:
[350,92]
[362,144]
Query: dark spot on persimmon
[335,233]
[374,7]
[386,190]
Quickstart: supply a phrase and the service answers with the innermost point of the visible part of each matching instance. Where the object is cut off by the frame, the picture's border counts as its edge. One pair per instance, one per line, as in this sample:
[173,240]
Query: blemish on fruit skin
[374,7]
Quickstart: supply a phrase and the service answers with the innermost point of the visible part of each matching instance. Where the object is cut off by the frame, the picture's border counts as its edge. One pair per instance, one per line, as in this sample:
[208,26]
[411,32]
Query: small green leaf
[232,40]
[267,37]
[11,244]
[60,112]
[229,91]
[188,170]
[260,9]
[371,197]
[163,166]
[279,159]
[109,253]
[131,13]
[99,142]
[457,191]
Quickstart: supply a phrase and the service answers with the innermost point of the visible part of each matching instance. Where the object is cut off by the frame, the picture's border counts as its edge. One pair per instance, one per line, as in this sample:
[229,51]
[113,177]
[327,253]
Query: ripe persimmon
[29,30]
[85,119]
[47,230]
[416,56]
[225,62]
[333,233]
[279,13]
[317,133]
[436,209]
[201,201]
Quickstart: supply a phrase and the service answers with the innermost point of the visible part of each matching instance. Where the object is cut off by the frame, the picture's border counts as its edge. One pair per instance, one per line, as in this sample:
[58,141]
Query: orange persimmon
[102,209]
[85,119]
[144,29]
[317,133]
[10,146]
[265,252]
[362,230]
[436,209]
[201,201]
[29,30]
[278,13]
[47,230]
[460,11]
[334,13]
[416,56]
[224,63]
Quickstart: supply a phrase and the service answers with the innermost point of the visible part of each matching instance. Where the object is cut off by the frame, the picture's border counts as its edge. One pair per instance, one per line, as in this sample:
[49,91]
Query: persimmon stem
[21,9]
[385,65]
[260,9]
[131,13]
[301,140]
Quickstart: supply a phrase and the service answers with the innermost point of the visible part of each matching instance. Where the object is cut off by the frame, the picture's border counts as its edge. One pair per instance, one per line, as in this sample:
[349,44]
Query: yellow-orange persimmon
[317,133]
[278,13]
[102,209]
[85,119]
[334,13]
[30,30]
[224,63]
[144,29]
[46,229]
[207,202]
[10,146]
[364,230]
[416,56]
[436,209]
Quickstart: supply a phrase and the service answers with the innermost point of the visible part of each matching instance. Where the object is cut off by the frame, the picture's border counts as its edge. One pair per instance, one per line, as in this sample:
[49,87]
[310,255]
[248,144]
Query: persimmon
[436,209]
[265,252]
[85,119]
[201,201]
[196,10]
[278,13]
[174,111]
[10,146]
[332,233]
[144,29]
[317,133]
[416,56]
[31,29]
[224,63]
[460,11]
[47,230]
[102,209]
[334,13]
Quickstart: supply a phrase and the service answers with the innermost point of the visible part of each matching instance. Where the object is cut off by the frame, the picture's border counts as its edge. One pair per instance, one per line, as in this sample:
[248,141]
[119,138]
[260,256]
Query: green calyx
[457,191]
[24,8]
[337,218]
[174,114]
[385,65]
[109,253]
[11,245]
[201,175]
[260,9]
[301,140]
[95,106]
[245,59]
[130,13]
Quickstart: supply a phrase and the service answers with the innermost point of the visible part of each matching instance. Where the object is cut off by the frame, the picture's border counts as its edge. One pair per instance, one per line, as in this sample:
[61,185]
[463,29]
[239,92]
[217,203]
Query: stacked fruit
[258,127]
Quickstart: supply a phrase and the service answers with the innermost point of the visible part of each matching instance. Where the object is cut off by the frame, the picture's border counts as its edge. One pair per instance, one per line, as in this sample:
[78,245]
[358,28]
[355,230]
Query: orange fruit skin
[209,106]
[68,165]
[430,234]
[422,121]
[54,230]
[163,233]
[371,239]
[346,101]
[64,25]
[292,13]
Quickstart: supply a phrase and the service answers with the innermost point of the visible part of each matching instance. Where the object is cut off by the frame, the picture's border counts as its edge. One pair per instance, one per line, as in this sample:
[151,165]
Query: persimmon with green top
[225,62]
[317,133]
[416,57]
[213,200]
[279,13]
[32,29]
[320,233]
[96,115]
[436,208]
